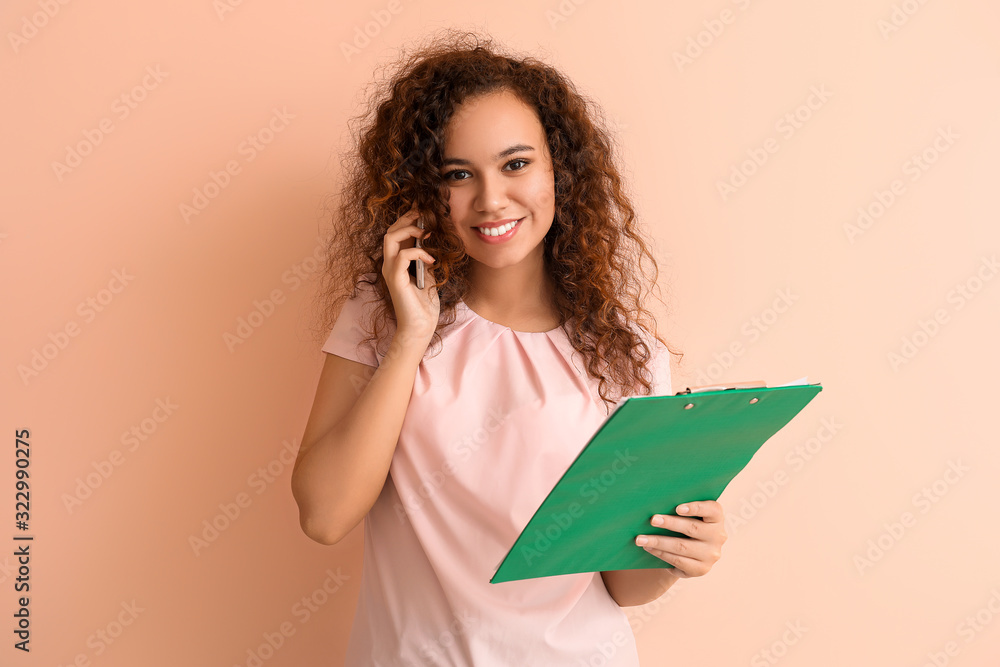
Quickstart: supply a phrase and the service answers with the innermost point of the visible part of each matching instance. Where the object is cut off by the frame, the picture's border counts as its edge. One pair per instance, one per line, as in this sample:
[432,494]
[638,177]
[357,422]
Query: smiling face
[498,169]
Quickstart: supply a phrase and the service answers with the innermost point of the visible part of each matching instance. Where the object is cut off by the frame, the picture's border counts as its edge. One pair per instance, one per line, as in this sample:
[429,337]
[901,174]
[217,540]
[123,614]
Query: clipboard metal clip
[754,384]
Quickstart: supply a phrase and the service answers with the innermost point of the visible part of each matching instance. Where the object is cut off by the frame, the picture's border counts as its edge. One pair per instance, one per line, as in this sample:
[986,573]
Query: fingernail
[641,540]
[657,520]
[683,509]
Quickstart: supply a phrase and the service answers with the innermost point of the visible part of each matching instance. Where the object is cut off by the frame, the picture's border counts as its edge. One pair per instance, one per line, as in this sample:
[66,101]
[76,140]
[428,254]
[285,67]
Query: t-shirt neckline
[528,333]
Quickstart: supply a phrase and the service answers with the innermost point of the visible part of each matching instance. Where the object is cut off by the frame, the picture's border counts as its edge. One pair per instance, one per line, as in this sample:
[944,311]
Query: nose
[491,195]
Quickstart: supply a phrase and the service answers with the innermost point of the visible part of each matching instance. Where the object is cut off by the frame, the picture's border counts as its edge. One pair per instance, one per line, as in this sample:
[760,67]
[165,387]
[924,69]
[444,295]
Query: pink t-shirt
[495,418]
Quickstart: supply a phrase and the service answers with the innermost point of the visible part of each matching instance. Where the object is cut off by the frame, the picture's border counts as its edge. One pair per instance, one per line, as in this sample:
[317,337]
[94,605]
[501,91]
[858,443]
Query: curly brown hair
[593,249]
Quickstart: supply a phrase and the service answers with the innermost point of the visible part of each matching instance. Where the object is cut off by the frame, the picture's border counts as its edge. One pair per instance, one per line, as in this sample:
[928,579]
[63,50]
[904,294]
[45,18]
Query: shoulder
[364,289]
[659,360]
[649,338]
[349,336]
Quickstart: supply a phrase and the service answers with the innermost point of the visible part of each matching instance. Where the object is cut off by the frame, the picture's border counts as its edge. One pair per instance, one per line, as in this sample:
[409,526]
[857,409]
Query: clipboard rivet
[689,406]
[753,400]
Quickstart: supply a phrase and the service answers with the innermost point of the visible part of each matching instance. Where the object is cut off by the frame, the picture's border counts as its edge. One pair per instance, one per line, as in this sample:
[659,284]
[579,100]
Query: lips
[508,229]
[498,223]
[503,225]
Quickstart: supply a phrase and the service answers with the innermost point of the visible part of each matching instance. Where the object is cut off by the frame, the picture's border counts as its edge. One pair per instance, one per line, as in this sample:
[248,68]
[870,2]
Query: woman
[444,415]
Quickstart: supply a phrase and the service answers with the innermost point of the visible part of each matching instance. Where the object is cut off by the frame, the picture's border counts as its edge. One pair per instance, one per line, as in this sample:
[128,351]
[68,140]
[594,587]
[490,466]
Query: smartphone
[420,263]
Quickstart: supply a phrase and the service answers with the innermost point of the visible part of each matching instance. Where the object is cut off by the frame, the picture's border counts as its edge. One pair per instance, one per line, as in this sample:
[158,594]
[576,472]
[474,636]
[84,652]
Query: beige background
[823,567]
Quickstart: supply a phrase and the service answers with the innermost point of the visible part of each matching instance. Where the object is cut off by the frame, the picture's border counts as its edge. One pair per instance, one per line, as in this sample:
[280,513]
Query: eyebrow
[517,148]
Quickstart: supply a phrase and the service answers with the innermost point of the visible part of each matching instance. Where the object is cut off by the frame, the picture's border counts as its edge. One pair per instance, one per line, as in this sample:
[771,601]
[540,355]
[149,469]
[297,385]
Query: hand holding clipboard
[685,446]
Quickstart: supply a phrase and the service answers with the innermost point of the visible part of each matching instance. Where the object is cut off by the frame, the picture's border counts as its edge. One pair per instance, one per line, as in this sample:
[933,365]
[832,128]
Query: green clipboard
[650,455]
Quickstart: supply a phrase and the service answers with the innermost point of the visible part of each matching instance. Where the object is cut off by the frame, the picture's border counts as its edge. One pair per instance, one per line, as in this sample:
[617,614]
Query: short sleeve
[347,332]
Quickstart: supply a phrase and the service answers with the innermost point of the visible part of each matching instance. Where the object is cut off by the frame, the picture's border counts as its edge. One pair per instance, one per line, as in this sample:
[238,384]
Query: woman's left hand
[694,555]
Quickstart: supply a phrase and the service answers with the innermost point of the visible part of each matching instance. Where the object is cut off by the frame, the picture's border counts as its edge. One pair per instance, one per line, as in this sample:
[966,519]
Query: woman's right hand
[416,310]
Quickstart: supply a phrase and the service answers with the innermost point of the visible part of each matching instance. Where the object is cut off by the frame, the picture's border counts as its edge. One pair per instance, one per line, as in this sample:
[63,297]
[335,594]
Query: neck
[511,291]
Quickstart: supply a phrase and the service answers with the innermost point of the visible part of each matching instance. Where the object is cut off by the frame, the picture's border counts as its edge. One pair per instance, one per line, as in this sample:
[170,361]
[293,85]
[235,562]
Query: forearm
[635,587]
[341,474]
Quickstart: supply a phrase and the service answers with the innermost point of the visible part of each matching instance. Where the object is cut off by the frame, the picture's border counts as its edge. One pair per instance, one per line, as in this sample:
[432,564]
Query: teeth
[497,231]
